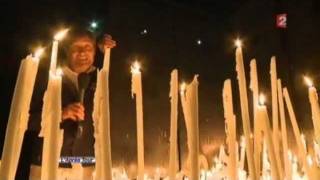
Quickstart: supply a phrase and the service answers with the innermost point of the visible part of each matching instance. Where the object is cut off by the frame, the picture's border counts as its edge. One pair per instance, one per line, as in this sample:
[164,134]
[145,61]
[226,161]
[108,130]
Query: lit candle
[19,115]
[136,89]
[262,115]
[297,135]
[287,165]
[50,124]
[231,129]
[101,116]
[174,91]
[275,119]
[189,101]
[244,108]
[315,109]
[54,53]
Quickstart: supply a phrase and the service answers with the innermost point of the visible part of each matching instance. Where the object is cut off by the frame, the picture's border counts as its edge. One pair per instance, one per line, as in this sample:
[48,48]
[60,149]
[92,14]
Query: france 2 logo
[282,21]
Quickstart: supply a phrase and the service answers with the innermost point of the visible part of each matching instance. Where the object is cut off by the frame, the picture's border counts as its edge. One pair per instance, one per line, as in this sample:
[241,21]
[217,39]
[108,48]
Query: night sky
[173,31]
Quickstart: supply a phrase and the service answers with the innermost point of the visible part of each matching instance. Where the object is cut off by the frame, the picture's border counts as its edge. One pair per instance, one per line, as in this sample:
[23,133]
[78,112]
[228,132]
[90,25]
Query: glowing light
[183,88]
[145,31]
[135,68]
[61,34]
[262,99]
[38,52]
[94,24]
[308,81]
[238,43]
[199,42]
[59,72]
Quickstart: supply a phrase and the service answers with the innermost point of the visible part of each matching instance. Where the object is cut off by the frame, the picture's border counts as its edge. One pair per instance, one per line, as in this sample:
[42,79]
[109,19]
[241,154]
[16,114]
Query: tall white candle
[174,91]
[187,120]
[136,90]
[257,126]
[275,119]
[297,134]
[315,108]
[19,115]
[254,84]
[54,53]
[50,124]
[285,149]
[262,115]
[101,115]
[244,108]
[190,105]
[231,129]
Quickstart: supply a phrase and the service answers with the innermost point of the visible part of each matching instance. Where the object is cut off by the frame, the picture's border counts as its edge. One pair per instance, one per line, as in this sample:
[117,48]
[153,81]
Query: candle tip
[135,68]
[61,34]
[262,99]
[308,81]
[183,87]
[59,72]
[38,52]
[238,43]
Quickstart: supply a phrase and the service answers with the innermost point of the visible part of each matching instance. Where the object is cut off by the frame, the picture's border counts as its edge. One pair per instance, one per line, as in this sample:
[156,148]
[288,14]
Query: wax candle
[285,149]
[136,90]
[244,108]
[101,115]
[174,91]
[297,135]
[275,119]
[231,129]
[50,124]
[54,53]
[257,129]
[315,108]
[262,115]
[19,115]
[242,152]
[275,123]
[189,101]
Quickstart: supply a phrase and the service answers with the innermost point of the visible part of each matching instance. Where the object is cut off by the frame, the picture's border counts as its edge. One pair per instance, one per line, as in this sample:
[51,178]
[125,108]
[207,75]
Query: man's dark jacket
[73,145]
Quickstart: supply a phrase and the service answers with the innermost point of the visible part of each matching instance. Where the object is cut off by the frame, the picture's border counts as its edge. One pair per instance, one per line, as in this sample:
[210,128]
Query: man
[77,122]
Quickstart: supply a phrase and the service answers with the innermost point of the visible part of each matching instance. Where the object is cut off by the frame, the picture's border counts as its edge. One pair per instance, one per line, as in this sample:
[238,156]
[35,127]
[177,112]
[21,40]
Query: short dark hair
[75,34]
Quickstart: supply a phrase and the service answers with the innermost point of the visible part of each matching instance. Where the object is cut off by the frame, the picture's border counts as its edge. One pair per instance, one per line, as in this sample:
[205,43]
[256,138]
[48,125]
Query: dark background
[171,42]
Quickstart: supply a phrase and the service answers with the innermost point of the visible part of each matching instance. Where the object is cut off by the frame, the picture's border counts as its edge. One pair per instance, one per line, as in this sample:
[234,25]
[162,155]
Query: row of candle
[51,118]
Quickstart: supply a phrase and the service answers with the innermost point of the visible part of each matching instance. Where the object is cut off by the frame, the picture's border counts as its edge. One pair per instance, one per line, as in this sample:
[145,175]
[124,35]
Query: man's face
[81,54]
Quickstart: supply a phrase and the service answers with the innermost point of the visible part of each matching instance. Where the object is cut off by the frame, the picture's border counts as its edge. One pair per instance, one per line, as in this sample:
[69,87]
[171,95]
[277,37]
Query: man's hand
[107,42]
[73,111]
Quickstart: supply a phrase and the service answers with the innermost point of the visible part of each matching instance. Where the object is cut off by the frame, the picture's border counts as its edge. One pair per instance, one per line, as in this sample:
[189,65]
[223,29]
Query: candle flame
[59,72]
[38,52]
[238,43]
[262,99]
[308,81]
[61,34]
[135,68]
